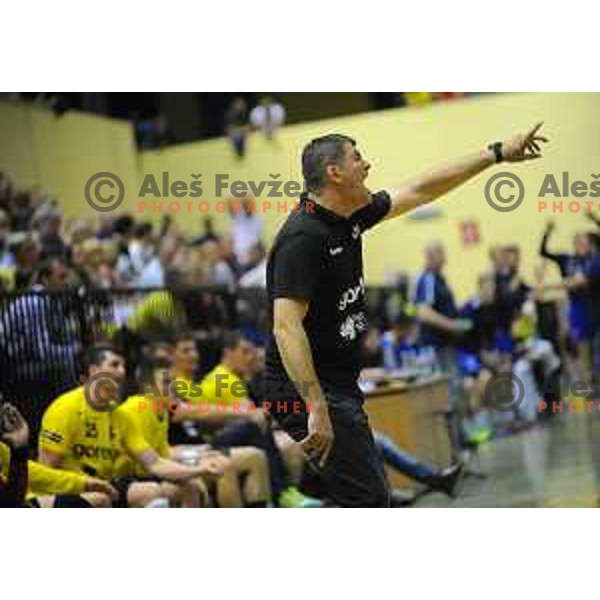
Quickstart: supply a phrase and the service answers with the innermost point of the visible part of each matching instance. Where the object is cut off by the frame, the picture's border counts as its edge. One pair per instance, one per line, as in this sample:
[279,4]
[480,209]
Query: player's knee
[142,493]
[171,491]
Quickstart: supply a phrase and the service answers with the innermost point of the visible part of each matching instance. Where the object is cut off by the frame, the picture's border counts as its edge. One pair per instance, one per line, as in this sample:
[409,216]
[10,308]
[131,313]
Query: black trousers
[353,475]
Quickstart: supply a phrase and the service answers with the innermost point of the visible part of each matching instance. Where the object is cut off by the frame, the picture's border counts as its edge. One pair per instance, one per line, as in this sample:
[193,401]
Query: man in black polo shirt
[317,303]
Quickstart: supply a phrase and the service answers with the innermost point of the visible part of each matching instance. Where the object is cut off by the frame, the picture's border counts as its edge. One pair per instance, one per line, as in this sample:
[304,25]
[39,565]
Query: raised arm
[429,186]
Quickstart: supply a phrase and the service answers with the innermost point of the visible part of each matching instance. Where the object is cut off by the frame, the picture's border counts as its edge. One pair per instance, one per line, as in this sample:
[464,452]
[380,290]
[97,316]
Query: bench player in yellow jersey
[81,433]
[245,480]
[221,404]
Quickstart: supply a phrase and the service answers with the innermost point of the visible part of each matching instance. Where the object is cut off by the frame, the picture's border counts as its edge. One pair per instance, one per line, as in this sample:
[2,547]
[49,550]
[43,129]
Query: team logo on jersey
[351,295]
[353,325]
[95,452]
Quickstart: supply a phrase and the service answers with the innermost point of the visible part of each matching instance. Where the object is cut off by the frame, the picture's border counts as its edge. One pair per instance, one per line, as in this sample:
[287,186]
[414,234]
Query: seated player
[25,482]
[80,433]
[245,479]
[221,407]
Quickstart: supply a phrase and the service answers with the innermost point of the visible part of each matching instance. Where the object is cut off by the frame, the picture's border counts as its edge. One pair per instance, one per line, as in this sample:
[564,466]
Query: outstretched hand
[524,146]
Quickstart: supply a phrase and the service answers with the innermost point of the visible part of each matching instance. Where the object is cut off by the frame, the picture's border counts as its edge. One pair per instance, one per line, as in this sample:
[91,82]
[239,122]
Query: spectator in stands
[216,270]
[246,229]
[47,220]
[208,233]
[20,210]
[268,115]
[256,275]
[25,248]
[80,433]
[7,259]
[153,274]
[236,124]
[121,231]
[141,247]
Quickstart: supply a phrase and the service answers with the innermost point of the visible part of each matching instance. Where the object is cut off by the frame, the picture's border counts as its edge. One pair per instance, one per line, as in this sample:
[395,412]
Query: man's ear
[333,173]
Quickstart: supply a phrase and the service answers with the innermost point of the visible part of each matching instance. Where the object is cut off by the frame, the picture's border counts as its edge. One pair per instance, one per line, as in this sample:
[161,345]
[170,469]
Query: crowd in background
[120,252]
[508,326]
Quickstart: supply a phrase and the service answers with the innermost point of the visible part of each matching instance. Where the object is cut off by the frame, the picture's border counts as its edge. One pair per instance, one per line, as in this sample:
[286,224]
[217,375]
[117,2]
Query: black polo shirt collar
[322,212]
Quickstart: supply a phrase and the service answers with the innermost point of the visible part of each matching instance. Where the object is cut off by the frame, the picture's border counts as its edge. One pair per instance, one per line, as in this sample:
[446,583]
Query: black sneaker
[448,479]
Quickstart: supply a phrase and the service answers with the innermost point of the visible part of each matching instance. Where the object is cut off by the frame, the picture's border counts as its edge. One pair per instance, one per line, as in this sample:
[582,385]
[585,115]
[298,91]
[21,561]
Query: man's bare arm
[296,354]
[163,468]
[294,347]
[431,185]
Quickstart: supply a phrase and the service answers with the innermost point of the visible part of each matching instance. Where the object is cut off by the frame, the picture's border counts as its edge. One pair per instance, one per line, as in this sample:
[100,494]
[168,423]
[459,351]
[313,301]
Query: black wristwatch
[496,148]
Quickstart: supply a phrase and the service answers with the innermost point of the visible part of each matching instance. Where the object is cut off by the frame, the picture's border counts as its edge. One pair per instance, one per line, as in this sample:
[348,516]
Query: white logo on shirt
[351,295]
[355,231]
[353,325]
[334,251]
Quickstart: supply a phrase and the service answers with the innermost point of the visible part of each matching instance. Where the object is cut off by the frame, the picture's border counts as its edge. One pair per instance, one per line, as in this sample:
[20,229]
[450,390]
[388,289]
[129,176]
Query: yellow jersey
[89,441]
[43,480]
[222,386]
[187,390]
[152,419]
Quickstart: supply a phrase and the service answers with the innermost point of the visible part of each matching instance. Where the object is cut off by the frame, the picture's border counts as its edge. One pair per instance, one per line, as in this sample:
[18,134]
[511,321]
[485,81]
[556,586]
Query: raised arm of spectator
[559,259]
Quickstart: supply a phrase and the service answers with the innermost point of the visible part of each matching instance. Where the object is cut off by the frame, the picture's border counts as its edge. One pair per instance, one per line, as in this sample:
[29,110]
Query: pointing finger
[535,129]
